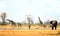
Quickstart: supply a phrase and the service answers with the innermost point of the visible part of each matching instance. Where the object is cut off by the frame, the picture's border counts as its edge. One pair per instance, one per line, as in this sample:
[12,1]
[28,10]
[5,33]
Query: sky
[18,10]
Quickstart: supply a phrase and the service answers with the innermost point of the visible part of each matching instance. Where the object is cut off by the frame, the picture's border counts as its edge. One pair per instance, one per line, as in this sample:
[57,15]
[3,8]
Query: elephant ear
[51,22]
[55,22]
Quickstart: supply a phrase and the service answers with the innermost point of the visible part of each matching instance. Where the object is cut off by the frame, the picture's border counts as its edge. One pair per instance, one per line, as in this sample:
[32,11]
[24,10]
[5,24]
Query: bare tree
[29,19]
[29,25]
[3,16]
[47,22]
[32,22]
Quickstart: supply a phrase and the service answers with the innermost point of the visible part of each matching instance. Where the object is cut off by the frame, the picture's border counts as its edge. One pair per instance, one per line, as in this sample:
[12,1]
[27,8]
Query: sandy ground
[29,32]
[24,31]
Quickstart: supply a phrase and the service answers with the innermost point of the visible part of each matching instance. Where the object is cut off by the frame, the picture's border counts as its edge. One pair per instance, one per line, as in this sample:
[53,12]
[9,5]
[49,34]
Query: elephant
[54,24]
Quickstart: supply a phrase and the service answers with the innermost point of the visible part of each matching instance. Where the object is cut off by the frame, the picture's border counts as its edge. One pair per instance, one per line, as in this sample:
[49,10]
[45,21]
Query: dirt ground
[24,31]
[29,32]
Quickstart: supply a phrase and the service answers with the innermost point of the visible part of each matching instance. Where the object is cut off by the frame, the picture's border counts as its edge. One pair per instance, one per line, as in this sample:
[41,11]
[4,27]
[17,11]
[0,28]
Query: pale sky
[18,9]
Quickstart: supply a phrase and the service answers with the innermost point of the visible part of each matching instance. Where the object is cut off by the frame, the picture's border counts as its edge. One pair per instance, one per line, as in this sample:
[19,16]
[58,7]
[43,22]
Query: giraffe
[12,22]
[19,24]
[41,22]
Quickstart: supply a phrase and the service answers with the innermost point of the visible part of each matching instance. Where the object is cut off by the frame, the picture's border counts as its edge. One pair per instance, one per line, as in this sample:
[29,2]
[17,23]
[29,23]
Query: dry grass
[29,33]
[34,31]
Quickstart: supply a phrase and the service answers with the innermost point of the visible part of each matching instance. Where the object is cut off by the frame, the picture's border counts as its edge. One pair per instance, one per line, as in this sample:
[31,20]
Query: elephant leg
[52,27]
[55,27]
